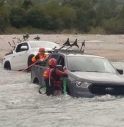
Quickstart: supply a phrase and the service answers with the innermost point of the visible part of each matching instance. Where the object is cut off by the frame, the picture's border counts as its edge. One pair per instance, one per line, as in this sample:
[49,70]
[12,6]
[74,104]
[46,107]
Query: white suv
[20,57]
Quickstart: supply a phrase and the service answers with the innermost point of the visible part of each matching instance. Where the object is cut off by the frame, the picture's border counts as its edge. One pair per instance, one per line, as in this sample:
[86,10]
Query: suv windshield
[89,64]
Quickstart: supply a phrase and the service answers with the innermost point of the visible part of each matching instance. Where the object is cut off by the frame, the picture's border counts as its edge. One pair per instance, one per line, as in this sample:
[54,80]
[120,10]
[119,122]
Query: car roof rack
[70,51]
[67,47]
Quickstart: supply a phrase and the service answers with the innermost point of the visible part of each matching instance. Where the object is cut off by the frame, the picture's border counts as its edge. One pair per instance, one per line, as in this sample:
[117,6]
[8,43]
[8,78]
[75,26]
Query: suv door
[20,56]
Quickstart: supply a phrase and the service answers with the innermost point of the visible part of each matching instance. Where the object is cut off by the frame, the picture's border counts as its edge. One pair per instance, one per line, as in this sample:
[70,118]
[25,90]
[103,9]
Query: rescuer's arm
[61,73]
[35,58]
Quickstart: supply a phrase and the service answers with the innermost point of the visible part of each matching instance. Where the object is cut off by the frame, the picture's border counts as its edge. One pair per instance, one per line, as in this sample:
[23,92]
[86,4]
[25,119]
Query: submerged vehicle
[20,57]
[88,75]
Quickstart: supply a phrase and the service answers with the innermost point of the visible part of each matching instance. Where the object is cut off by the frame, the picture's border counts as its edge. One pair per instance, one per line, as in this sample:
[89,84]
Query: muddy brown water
[22,106]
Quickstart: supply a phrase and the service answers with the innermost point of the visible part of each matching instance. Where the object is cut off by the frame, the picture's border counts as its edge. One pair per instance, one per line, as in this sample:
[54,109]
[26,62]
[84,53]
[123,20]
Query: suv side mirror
[120,71]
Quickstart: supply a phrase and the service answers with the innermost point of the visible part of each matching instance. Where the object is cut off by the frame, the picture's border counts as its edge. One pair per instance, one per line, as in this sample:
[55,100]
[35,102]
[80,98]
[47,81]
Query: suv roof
[76,53]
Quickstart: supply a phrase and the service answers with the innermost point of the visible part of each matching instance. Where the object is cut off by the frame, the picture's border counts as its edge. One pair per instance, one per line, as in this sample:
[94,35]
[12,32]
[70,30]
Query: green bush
[4,19]
[18,17]
[62,15]
[114,26]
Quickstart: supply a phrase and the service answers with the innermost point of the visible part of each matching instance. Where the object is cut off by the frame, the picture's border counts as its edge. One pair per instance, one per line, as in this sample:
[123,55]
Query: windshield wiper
[74,70]
[83,71]
[93,71]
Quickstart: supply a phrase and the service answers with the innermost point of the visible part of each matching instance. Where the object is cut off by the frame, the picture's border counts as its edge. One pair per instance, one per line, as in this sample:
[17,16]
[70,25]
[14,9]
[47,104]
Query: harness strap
[50,76]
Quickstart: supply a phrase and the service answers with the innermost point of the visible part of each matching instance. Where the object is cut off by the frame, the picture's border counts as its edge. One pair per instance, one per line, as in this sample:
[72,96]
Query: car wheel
[36,81]
[7,65]
[42,90]
[30,62]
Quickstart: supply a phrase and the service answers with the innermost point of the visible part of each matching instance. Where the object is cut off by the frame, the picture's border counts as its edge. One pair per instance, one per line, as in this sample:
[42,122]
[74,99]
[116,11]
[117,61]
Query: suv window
[22,47]
[56,56]
[61,61]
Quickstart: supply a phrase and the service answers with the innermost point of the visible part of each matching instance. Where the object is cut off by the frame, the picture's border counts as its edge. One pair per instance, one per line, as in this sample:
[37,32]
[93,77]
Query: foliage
[114,26]
[60,15]
[18,17]
[4,20]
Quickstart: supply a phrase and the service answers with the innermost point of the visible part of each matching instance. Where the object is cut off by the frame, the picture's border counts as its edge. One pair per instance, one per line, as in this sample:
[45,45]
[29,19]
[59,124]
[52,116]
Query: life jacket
[39,57]
[46,73]
[51,73]
[43,57]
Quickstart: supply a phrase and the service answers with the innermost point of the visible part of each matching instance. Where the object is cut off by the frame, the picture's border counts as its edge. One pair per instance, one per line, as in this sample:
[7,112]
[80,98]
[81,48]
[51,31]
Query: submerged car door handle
[13,56]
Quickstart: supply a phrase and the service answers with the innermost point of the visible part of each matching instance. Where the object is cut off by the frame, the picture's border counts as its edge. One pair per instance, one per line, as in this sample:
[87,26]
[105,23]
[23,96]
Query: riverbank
[110,46]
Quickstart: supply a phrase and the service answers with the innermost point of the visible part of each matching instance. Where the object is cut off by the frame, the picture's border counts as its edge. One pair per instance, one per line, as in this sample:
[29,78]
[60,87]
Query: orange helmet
[41,49]
[52,62]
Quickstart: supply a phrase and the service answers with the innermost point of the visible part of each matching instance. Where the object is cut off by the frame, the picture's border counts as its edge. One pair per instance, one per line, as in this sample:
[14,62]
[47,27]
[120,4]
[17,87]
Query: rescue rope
[65,86]
[30,66]
[50,77]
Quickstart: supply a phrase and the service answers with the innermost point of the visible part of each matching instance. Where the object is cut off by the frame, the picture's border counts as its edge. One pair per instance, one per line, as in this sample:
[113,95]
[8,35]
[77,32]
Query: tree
[27,4]
[4,17]
[36,18]
[18,17]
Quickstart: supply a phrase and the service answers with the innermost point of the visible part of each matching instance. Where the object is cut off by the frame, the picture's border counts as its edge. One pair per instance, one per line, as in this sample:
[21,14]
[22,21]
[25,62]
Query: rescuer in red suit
[52,76]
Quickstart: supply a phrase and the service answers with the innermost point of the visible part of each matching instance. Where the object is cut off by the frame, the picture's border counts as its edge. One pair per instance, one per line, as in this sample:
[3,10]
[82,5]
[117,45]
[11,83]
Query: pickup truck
[88,75]
[20,57]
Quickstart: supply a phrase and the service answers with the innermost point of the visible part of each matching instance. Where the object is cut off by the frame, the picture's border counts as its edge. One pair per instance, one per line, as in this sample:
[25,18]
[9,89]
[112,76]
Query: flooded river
[22,106]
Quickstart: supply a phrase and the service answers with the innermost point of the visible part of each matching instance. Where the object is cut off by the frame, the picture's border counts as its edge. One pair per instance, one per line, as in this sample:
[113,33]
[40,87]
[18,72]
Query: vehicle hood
[99,77]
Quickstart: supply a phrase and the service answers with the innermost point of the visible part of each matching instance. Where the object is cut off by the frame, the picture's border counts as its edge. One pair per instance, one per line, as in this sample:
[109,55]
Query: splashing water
[22,105]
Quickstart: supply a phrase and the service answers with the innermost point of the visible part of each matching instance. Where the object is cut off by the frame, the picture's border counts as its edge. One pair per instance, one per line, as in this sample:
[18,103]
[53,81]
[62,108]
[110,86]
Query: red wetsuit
[52,77]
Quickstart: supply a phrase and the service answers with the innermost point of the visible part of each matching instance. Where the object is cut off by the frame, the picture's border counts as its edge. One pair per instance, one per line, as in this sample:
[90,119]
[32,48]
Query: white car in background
[20,57]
